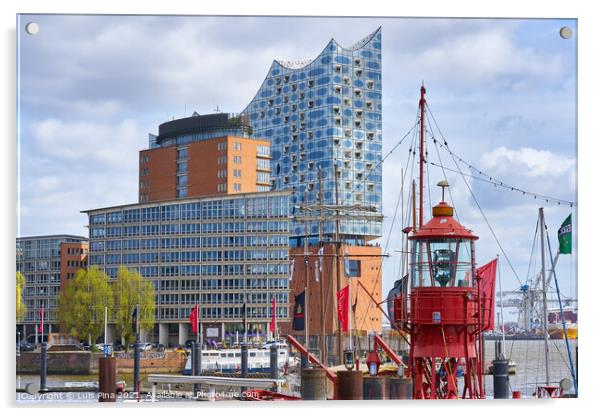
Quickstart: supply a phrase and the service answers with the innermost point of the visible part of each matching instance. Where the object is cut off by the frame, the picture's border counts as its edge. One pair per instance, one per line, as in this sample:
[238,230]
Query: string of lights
[489,178]
[548,199]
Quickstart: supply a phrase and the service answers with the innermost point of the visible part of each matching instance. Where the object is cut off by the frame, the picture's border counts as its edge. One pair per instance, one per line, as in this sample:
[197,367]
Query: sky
[502,92]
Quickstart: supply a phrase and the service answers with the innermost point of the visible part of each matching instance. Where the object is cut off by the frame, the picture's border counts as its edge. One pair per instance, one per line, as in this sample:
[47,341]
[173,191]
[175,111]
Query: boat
[555,329]
[228,360]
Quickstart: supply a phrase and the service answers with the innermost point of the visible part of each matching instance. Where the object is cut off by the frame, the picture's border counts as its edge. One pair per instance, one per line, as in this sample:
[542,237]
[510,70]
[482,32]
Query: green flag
[565,241]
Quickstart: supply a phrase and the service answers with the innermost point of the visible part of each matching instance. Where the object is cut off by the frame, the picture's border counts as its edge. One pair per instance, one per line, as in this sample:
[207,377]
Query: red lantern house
[441,311]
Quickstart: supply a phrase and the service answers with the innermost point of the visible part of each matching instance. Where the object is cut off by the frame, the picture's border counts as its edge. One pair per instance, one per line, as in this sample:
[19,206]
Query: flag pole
[566,338]
[499,281]
[105,343]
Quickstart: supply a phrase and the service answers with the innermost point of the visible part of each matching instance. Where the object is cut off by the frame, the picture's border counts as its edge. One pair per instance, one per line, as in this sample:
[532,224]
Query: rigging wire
[390,228]
[477,203]
[389,153]
[403,181]
[546,198]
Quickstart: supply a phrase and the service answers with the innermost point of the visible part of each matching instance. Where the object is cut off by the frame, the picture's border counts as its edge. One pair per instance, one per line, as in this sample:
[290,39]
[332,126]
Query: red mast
[422,103]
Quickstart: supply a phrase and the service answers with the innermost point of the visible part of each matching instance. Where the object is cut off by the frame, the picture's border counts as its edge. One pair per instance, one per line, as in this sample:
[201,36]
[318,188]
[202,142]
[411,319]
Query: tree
[21,307]
[82,303]
[130,290]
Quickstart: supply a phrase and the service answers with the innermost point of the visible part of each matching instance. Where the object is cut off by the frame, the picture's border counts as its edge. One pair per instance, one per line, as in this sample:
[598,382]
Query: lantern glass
[443,262]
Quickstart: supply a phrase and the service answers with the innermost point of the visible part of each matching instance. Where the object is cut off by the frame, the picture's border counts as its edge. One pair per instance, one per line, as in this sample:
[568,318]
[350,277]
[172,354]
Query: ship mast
[422,104]
[544,318]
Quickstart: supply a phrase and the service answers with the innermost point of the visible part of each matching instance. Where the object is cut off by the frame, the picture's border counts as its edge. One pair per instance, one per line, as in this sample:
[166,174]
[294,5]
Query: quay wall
[64,362]
[84,362]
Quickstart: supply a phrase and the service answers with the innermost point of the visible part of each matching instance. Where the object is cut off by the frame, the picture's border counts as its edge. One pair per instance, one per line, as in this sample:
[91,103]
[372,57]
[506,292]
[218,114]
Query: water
[529,357]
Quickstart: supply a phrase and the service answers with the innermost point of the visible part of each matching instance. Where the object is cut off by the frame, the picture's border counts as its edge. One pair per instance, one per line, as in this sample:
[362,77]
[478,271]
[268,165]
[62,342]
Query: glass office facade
[39,261]
[218,252]
[320,114]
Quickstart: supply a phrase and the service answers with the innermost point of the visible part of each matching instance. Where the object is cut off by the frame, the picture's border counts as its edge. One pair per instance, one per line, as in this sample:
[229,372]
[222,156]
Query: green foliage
[21,307]
[82,303]
[130,289]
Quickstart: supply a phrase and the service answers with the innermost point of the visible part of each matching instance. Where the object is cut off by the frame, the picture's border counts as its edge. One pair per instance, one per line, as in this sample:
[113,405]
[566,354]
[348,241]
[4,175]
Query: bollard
[374,388]
[244,364]
[136,364]
[349,385]
[313,384]
[399,388]
[274,363]
[501,381]
[196,365]
[107,379]
[43,367]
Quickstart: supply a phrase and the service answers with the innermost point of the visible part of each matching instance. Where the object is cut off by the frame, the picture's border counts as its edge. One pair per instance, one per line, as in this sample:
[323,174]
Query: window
[182,167]
[352,268]
[183,153]
[182,193]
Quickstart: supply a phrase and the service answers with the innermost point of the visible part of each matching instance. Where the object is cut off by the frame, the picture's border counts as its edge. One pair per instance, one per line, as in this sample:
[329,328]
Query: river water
[529,357]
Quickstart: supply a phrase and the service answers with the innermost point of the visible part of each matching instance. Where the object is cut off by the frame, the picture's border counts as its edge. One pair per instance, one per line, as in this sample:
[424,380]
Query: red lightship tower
[443,311]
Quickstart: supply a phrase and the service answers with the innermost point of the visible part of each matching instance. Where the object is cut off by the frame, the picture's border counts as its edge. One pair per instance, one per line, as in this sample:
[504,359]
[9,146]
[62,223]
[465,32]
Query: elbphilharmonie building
[323,113]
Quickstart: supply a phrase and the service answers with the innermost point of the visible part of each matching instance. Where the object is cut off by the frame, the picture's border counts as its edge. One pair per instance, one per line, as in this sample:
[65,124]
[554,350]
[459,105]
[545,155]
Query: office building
[203,155]
[47,263]
[219,252]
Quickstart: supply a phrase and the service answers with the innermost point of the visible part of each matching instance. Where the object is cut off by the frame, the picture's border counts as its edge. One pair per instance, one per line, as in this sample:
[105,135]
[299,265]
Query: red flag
[273,322]
[41,327]
[487,275]
[194,319]
[343,308]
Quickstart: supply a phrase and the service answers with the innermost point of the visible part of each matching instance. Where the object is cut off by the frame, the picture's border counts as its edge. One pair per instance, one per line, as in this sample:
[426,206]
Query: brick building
[203,155]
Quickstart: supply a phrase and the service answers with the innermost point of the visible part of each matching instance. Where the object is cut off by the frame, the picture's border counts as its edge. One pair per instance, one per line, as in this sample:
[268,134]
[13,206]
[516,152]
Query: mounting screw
[32,28]
[566,32]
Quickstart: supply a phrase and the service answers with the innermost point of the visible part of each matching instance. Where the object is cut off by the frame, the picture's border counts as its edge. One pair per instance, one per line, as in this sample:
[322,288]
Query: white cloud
[529,162]
[487,55]
[96,145]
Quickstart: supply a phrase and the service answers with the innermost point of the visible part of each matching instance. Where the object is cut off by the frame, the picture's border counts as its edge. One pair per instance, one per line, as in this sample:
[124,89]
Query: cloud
[87,143]
[529,162]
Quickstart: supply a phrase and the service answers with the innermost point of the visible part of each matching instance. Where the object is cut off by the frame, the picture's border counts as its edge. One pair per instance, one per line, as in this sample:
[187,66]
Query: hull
[228,361]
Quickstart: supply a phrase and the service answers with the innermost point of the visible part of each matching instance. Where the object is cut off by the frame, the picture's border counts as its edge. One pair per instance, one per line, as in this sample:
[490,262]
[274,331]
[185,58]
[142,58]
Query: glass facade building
[320,114]
[39,261]
[219,252]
